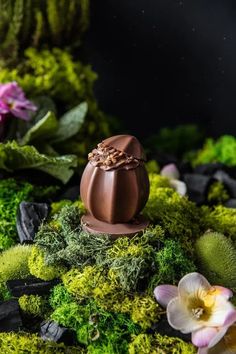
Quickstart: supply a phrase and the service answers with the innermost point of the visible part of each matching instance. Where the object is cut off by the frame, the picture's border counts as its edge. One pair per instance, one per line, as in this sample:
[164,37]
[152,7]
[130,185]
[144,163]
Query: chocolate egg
[115,186]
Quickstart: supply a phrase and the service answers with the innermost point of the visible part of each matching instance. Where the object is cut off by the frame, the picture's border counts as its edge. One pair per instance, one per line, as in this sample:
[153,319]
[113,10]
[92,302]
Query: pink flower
[197,307]
[12,100]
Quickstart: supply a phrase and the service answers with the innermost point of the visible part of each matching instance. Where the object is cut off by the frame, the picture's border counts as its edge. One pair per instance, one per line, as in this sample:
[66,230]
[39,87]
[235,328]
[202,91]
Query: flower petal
[179,317]
[179,186]
[225,292]
[165,293]
[223,313]
[202,337]
[219,335]
[193,284]
[170,171]
[202,351]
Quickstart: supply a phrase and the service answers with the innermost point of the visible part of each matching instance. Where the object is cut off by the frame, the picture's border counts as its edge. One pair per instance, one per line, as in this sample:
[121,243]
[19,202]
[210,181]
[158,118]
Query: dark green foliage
[12,343]
[4,293]
[175,141]
[12,192]
[52,22]
[216,256]
[64,241]
[221,150]
[172,264]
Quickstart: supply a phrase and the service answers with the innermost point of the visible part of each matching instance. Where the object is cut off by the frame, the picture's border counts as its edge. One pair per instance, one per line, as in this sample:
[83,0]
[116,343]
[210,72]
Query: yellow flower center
[201,305]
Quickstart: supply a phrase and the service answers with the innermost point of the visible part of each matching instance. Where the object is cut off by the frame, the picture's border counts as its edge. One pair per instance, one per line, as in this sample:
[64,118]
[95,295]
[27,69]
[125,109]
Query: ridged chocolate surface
[116,195]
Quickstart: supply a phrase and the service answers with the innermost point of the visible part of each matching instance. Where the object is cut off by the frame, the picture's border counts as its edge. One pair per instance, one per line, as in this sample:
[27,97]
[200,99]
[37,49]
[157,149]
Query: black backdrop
[165,62]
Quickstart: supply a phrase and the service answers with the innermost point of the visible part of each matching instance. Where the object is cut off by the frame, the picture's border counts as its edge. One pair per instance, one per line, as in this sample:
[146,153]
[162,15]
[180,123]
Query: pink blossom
[13,101]
[197,307]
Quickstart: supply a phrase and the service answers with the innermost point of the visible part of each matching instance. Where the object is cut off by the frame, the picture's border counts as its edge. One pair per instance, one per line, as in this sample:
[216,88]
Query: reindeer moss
[14,263]
[40,269]
[34,305]
[179,217]
[217,193]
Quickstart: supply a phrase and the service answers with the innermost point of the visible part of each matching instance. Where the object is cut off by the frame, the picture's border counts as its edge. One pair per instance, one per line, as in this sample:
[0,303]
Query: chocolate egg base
[93,225]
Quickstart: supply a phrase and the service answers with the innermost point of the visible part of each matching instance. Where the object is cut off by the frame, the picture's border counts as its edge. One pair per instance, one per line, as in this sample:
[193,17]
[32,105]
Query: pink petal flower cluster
[198,308]
[13,101]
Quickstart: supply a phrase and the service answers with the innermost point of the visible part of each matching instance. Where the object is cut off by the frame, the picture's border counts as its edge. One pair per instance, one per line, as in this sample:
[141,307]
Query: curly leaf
[14,157]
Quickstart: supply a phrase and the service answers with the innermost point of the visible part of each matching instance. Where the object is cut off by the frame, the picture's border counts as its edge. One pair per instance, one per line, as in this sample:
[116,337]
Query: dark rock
[208,168]
[29,218]
[231,203]
[229,182]
[197,186]
[51,330]
[30,286]
[10,319]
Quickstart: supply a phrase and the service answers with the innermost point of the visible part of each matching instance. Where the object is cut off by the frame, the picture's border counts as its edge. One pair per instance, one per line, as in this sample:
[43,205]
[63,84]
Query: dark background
[165,62]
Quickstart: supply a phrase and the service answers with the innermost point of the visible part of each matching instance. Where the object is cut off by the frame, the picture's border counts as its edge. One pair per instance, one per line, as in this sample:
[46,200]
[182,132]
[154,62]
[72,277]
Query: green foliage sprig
[33,23]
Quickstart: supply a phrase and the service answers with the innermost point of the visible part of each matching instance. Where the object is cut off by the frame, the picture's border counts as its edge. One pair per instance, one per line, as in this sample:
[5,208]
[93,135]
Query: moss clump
[172,264]
[220,219]
[40,269]
[64,241]
[34,305]
[96,327]
[157,344]
[152,167]
[217,259]
[59,295]
[179,217]
[4,292]
[12,343]
[14,263]
[221,150]
[217,193]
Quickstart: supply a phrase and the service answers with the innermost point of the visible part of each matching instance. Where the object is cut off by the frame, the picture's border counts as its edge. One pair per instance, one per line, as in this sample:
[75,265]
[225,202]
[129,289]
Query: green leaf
[42,130]
[71,122]
[14,157]
[44,104]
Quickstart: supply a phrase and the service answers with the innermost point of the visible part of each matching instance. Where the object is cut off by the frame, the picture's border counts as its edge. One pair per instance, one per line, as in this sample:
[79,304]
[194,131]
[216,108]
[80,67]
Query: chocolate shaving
[109,158]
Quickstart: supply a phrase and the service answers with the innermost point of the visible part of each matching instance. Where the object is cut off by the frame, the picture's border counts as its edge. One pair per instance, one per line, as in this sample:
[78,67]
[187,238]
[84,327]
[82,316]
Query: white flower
[197,307]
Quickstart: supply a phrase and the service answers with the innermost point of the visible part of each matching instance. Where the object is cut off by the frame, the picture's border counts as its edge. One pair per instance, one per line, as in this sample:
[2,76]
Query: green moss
[157,344]
[12,343]
[172,264]
[217,193]
[59,295]
[96,327]
[220,219]
[179,217]
[14,263]
[34,305]
[4,292]
[40,269]
[152,166]
[221,150]
[217,259]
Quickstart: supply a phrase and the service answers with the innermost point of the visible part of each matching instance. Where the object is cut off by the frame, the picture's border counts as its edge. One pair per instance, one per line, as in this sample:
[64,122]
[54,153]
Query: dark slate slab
[51,330]
[30,286]
[10,318]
